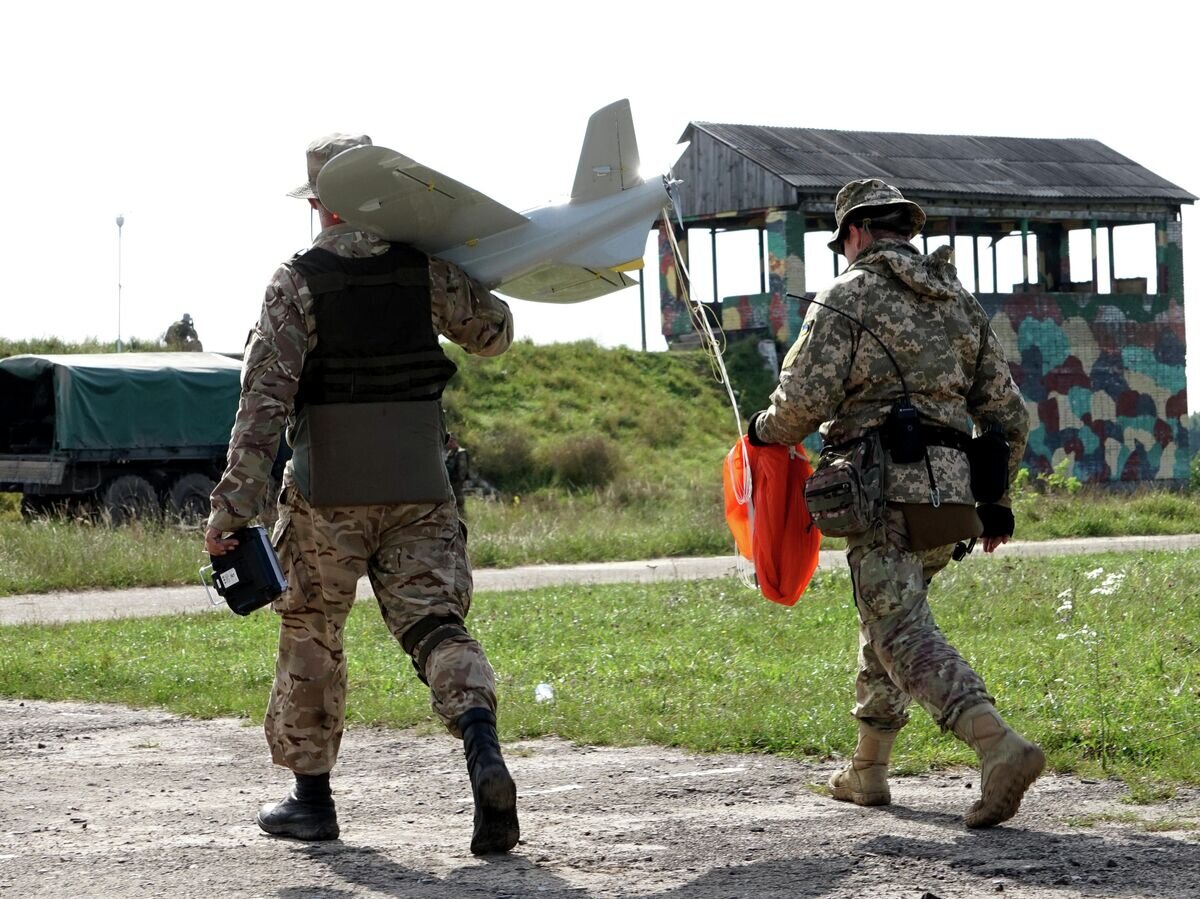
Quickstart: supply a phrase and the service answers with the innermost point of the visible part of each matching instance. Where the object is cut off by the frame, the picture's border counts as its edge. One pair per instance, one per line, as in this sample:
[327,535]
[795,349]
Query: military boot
[306,813]
[1010,763]
[496,827]
[864,780]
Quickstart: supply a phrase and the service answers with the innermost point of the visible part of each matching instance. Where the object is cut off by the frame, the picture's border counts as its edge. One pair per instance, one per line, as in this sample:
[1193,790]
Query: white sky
[192,119]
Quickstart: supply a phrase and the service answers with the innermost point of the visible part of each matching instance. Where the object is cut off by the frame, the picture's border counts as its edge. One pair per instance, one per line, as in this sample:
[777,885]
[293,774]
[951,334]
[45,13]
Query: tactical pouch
[845,493]
[988,457]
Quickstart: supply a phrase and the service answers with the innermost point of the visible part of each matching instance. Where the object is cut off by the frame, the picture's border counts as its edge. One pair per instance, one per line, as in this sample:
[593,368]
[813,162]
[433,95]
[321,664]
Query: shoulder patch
[790,358]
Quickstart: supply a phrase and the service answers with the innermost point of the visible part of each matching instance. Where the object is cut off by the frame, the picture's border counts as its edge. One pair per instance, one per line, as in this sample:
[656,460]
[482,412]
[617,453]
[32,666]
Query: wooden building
[1102,373]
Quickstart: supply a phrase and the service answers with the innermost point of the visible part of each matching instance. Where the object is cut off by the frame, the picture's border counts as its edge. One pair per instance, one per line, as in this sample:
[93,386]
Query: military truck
[128,434]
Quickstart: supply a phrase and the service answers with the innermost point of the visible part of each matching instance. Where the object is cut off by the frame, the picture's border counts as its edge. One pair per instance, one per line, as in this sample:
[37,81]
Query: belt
[936,435]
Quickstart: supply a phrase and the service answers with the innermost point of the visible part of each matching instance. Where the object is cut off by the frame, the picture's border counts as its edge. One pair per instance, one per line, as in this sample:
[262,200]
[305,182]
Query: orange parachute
[770,522]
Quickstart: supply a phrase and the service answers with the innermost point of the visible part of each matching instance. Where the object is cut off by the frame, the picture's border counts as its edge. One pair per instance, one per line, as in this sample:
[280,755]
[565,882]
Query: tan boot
[1010,764]
[864,780]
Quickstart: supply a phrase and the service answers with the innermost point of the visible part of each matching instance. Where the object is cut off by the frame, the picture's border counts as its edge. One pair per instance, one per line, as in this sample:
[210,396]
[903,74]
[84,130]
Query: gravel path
[145,601]
[106,801]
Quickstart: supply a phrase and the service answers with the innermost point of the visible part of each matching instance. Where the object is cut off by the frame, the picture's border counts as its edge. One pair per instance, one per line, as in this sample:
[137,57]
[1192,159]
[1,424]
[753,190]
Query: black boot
[496,827]
[306,814]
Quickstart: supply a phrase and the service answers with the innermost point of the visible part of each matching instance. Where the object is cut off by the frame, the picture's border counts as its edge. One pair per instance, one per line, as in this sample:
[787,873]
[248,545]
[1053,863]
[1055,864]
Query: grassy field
[1097,658]
[546,526]
[599,455]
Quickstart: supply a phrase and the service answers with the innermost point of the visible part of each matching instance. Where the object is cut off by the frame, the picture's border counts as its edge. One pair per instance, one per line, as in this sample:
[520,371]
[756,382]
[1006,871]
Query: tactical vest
[368,409]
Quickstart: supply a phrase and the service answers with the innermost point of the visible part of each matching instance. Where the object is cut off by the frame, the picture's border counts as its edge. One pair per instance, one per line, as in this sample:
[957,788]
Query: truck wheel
[128,498]
[188,498]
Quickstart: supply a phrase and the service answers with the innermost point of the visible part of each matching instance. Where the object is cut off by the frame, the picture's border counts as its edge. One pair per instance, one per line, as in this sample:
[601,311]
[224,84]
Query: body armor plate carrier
[368,410]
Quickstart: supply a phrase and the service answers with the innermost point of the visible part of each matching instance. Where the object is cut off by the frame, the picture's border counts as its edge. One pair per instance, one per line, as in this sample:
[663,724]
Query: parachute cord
[713,347]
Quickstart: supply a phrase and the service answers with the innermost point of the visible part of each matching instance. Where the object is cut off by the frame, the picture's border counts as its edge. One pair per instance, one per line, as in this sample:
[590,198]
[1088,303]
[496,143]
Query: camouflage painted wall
[1104,381]
[785,273]
[676,322]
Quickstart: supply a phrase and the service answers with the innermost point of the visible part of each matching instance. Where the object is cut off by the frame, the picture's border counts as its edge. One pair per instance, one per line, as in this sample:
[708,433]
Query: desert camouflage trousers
[416,558]
[902,654]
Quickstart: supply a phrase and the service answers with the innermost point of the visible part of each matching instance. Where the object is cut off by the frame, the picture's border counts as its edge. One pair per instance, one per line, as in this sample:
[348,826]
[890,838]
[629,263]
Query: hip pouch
[988,457]
[845,493]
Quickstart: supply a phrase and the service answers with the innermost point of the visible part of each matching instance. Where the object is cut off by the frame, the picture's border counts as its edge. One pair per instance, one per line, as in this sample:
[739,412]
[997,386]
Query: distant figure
[182,336]
[458,467]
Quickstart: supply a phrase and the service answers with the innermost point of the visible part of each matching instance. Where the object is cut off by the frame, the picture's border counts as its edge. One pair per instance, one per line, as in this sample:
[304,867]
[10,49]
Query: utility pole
[120,225]
[642,303]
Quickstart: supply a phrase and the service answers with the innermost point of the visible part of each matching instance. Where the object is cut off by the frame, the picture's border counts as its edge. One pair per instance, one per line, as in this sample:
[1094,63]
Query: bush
[581,462]
[1194,472]
[506,459]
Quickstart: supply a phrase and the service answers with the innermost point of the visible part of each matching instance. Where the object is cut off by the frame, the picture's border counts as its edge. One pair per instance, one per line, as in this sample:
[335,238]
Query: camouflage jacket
[838,379]
[463,312]
[181,336]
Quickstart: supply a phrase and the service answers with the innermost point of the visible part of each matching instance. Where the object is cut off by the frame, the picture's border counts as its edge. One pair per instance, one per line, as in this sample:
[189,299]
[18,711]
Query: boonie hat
[874,194]
[320,152]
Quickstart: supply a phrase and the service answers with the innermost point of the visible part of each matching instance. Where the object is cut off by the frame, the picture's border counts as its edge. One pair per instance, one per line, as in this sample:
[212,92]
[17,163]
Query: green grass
[611,525]
[629,520]
[47,555]
[1147,825]
[1109,686]
[42,346]
[645,432]
[665,417]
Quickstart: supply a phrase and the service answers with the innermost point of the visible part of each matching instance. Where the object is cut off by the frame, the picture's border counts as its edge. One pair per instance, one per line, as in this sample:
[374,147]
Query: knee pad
[428,634]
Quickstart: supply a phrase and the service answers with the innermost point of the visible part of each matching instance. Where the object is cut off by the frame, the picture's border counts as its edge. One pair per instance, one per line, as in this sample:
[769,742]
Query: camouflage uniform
[836,378]
[182,336]
[415,554]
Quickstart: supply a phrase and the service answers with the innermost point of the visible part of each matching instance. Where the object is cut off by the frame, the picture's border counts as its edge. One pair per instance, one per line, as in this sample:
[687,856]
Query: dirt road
[107,801]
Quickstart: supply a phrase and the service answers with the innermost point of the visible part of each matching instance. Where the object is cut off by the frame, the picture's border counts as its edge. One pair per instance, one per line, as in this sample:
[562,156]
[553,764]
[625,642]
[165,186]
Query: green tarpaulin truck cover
[135,400]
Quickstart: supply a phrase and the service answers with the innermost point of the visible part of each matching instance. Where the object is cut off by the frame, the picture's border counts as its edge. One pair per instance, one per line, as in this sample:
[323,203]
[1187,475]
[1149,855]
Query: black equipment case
[247,577]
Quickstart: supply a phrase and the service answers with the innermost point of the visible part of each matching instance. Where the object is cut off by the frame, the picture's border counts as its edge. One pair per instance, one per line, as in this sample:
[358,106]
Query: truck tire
[187,500]
[129,498]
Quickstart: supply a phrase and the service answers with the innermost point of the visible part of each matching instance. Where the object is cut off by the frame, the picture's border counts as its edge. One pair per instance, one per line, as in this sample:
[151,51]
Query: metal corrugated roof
[1044,168]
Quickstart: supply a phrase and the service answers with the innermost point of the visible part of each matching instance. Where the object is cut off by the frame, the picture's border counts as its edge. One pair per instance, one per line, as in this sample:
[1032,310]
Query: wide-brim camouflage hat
[320,152]
[871,193]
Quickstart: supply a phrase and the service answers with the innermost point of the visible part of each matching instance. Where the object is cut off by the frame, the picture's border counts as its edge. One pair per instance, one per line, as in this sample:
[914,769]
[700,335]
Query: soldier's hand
[991,544]
[997,525]
[215,544]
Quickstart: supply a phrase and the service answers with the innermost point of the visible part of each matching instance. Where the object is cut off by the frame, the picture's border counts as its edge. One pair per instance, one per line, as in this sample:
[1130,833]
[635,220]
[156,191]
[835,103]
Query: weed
[1168,825]
[1094,818]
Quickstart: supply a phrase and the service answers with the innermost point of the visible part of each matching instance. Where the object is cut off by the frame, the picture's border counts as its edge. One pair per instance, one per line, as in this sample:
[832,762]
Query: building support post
[676,319]
[1095,259]
[1025,253]
[1112,263]
[712,234]
[1163,286]
[975,259]
[995,270]
[642,304]
[762,262]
